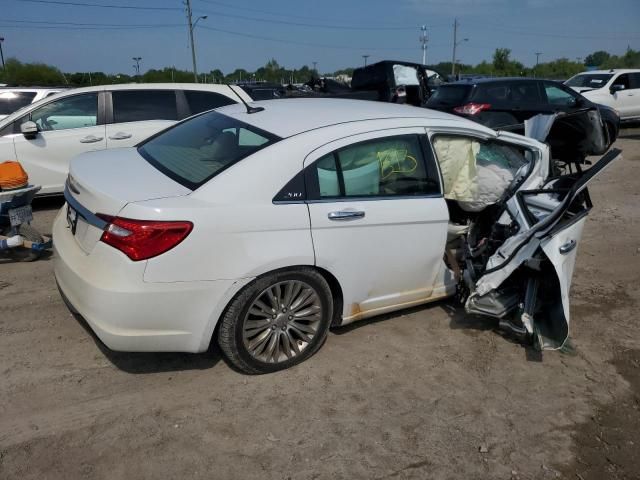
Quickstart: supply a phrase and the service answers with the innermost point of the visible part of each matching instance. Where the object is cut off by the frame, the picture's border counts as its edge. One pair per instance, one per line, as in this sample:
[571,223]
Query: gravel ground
[425,393]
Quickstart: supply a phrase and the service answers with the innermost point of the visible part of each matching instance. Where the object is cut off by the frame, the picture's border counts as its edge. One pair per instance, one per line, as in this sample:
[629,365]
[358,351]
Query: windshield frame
[233,123]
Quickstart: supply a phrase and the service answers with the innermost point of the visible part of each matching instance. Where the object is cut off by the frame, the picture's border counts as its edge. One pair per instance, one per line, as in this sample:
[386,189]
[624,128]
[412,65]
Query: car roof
[32,89]
[288,117]
[472,81]
[612,70]
[63,93]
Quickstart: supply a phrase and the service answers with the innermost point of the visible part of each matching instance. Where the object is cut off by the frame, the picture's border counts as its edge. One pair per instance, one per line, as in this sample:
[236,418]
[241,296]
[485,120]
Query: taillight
[472,108]
[143,239]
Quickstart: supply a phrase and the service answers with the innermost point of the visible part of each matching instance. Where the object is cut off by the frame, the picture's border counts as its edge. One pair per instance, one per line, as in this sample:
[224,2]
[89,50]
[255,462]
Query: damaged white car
[259,227]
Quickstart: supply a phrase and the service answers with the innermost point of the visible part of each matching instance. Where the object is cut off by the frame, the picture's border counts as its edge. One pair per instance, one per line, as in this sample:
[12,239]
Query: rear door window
[141,105]
[199,101]
[525,92]
[634,80]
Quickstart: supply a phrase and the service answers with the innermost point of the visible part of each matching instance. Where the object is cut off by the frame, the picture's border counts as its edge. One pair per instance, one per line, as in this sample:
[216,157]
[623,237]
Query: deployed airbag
[475,174]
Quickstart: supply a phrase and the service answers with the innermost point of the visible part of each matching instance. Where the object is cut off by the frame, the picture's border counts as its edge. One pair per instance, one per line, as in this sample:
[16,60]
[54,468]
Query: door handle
[346,215]
[90,139]
[120,136]
[567,247]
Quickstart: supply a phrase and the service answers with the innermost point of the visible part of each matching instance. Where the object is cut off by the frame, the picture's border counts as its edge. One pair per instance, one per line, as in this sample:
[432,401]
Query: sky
[75,36]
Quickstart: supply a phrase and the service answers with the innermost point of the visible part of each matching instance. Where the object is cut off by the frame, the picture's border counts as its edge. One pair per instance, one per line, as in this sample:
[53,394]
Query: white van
[46,135]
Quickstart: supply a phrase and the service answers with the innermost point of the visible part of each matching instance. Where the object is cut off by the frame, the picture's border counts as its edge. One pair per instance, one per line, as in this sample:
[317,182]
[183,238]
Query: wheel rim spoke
[282,321]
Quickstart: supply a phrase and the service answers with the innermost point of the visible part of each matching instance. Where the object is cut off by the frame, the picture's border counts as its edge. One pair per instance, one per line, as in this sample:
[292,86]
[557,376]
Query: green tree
[596,59]
[18,73]
[501,59]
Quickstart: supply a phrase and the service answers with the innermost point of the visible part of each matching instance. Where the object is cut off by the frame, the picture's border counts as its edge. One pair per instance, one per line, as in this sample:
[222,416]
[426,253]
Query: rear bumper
[128,314]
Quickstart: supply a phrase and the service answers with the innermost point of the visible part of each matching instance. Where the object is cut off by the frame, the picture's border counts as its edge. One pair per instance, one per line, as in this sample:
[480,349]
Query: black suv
[507,102]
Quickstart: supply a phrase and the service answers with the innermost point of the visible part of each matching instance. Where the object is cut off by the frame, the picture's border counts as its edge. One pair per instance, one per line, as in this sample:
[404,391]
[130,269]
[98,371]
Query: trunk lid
[103,182]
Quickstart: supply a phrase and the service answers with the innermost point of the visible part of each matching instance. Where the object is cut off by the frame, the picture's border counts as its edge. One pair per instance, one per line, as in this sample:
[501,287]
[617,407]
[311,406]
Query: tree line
[19,73]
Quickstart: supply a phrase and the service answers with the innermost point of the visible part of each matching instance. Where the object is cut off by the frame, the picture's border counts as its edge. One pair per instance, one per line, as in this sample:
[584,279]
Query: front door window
[78,111]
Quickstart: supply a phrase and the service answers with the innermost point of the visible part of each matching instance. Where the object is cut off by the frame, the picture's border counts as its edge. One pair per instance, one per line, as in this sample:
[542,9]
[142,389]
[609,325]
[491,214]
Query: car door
[623,96]
[530,275]
[558,98]
[137,114]
[67,127]
[526,99]
[378,220]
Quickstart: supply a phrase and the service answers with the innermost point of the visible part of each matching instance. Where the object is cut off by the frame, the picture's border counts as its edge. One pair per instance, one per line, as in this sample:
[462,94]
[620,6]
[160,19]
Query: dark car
[264,90]
[507,102]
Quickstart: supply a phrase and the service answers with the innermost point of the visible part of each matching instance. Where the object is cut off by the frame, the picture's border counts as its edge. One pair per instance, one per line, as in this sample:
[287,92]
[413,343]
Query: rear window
[202,101]
[449,95]
[12,101]
[196,150]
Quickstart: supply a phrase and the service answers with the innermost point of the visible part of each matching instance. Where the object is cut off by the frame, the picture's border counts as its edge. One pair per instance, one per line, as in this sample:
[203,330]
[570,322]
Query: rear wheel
[277,321]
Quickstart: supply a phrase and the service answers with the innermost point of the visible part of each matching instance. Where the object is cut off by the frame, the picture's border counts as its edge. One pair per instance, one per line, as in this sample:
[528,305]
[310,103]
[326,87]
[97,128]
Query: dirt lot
[426,393]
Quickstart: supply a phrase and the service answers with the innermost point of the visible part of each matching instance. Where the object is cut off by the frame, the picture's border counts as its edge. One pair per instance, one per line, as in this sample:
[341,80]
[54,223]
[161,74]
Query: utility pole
[423,40]
[455,44]
[537,61]
[365,59]
[2,54]
[315,67]
[192,25]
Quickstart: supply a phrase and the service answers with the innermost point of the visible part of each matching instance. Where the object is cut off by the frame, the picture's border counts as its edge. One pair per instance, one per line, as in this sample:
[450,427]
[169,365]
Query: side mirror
[29,129]
[616,88]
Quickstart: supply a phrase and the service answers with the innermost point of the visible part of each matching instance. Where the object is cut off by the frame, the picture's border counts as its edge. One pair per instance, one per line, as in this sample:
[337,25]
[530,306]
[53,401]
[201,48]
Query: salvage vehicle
[616,88]
[505,103]
[261,226]
[44,136]
[386,81]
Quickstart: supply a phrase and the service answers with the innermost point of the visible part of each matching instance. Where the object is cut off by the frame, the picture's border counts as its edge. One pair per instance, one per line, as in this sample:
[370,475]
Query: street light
[2,54]
[192,25]
[365,59]
[137,66]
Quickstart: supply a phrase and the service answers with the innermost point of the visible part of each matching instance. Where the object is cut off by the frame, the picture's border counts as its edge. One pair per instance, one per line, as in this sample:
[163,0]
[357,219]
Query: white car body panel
[46,157]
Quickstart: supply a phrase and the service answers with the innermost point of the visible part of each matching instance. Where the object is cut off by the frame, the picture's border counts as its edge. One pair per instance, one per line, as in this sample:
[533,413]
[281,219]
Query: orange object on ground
[12,176]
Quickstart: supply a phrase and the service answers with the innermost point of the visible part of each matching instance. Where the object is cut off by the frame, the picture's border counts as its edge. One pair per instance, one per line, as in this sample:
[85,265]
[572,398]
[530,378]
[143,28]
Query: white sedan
[261,227]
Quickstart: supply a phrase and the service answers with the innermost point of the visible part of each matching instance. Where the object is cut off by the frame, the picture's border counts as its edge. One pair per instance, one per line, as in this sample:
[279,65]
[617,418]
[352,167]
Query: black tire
[21,254]
[611,133]
[231,324]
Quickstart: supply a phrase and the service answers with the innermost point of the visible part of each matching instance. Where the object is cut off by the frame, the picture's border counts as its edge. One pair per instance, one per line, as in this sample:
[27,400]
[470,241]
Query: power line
[119,25]
[79,27]
[299,17]
[99,5]
[300,24]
